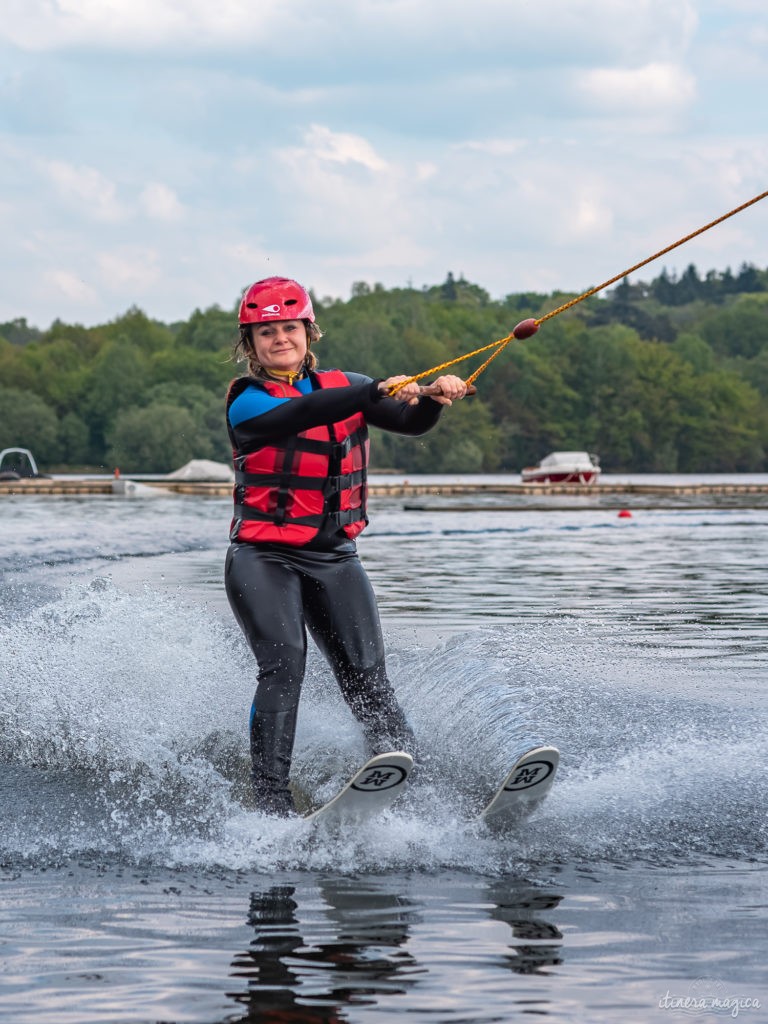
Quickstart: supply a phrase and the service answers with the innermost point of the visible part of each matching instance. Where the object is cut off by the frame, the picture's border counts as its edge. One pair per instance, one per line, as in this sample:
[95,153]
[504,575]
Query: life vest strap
[345,482]
[303,483]
[347,516]
[342,518]
[333,449]
[280,512]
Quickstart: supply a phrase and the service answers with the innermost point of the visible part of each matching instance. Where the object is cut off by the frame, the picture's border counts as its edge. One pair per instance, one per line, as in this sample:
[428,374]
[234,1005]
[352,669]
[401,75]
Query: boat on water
[563,468]
[16,463]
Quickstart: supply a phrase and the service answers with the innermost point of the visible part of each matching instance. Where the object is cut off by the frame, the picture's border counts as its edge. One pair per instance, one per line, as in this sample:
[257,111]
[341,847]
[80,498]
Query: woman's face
[280,345]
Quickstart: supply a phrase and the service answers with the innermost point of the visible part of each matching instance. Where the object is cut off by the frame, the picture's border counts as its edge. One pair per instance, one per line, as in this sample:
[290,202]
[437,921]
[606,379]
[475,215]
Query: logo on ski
[383,776]
[530,774]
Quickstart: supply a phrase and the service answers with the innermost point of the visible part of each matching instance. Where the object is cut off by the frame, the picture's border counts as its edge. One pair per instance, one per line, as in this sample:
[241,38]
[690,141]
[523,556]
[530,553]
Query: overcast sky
[165,153]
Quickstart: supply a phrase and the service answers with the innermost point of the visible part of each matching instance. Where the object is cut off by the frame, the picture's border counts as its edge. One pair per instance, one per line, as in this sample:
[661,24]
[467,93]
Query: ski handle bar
[433,389]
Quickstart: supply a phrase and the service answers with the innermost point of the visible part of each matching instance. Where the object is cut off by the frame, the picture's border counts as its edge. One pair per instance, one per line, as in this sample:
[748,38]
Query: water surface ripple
[138,887]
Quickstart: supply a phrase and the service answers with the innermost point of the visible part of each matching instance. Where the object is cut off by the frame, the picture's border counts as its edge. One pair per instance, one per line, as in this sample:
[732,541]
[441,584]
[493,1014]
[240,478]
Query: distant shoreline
[414,486]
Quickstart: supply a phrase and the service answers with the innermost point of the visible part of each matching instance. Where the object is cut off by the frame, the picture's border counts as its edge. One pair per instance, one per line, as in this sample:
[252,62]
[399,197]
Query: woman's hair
[243,350]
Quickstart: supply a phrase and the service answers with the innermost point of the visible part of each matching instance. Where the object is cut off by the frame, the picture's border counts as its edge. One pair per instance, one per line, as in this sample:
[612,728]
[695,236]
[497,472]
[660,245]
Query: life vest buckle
[334,484]
[341,448]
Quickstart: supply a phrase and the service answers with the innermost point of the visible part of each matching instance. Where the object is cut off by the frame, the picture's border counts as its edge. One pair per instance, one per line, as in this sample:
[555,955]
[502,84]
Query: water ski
[373,788]
[526,785]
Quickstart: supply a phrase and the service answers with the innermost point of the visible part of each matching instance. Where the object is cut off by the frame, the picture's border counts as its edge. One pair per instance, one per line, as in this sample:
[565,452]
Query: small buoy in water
[625,514]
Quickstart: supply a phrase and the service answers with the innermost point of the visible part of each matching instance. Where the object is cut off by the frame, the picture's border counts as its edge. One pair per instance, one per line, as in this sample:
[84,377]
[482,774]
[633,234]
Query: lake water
[137,888]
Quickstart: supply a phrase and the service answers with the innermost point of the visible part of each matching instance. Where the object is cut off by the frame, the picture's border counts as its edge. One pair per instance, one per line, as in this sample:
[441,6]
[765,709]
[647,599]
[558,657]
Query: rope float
[527,328]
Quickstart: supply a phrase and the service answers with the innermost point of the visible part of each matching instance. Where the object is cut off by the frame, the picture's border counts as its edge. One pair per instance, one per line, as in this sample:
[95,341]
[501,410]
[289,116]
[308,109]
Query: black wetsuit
[278,591]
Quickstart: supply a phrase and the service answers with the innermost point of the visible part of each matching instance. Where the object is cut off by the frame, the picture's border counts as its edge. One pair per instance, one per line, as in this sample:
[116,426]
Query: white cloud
[425,170]
[341,188]
[732,6]
[131,270]
[391,254]
[590,218]
[96,196]
[528,144]
[94,193]
[341,148]
[40,25]
[71,288]
[494,147]
[160,202]
[371,29]
[653,88]
[248,261]
[543,200]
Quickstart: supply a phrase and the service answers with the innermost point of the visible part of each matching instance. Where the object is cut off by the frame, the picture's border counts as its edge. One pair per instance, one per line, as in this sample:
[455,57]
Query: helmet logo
[271,309]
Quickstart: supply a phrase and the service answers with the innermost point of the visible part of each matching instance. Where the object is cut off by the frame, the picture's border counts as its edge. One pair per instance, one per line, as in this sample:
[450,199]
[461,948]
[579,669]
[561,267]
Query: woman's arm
[257,418]
[397,416]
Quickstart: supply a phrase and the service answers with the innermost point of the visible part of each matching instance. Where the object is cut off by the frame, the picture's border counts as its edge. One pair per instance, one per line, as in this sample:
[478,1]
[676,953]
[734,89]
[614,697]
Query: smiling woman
[281,347]
[300,441]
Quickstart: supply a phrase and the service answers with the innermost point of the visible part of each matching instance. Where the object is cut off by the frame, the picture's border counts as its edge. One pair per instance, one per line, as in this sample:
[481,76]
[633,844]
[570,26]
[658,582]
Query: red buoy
[625,514]
[525,329]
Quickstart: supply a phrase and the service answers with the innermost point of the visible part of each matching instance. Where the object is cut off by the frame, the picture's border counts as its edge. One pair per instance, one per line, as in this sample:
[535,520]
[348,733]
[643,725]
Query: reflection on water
[359,957]
[600,944]
[310,968]
[528,913]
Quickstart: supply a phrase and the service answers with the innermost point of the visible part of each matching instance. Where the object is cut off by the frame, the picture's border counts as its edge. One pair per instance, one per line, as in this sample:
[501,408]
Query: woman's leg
[343,617]
[265,596]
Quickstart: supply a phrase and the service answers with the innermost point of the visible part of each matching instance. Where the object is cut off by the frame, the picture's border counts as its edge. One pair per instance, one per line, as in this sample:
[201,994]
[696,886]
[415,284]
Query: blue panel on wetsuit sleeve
[255,402]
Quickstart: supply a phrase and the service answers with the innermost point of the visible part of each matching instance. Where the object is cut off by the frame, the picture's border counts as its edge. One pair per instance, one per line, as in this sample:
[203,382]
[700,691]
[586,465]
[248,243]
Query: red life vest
[286,491]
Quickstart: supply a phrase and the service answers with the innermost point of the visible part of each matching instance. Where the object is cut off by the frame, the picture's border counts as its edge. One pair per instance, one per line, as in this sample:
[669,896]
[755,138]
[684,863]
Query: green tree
[670,374]
[114,382]
[207,411]
[739,329]
[694,351]
[156,439]
[719,428]
[134,329]
[212,330]
[74,437]
[465,440]
[18,332]
[27,421]
[189,367]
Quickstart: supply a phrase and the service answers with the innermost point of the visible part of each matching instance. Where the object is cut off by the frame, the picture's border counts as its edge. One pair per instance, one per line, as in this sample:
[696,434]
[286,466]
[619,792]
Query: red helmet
[275,298]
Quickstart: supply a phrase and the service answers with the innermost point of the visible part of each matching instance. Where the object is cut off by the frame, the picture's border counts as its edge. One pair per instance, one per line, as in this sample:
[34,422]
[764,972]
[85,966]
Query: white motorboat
[563,468]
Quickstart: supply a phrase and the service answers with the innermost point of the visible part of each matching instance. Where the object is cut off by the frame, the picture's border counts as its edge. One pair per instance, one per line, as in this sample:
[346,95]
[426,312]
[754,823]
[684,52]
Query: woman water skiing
[300,445]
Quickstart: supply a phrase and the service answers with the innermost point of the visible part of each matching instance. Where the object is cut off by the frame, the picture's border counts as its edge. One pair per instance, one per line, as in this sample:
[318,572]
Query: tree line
[669,375]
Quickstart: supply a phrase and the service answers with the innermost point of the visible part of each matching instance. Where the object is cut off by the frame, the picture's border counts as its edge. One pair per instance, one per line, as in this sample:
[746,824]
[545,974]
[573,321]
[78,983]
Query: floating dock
[402,489]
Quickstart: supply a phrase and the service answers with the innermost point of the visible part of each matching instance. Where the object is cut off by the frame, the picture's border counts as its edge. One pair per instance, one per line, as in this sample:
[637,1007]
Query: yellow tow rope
[527,328]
